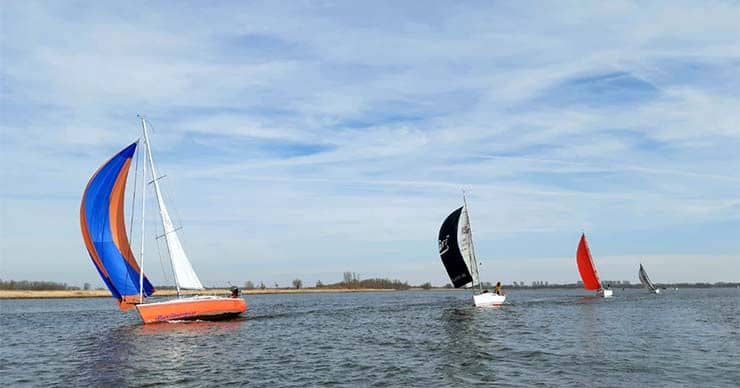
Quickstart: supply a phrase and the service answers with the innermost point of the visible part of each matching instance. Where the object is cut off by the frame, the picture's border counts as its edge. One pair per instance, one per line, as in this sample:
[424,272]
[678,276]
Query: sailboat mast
[158,192]
[143,213]
[471,246]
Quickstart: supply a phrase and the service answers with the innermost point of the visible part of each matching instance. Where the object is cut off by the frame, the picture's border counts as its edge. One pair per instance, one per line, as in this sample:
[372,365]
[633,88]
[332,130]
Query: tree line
[34,285]
[351,280]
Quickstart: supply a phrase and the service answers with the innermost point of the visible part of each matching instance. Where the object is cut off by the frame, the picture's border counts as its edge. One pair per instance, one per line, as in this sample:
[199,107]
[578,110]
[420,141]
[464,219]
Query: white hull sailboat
[457,252]
[645,281]
[488,299]
[587,269]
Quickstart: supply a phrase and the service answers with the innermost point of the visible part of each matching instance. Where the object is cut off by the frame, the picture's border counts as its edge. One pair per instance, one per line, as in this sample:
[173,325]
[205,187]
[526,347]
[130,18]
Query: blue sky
[305,139]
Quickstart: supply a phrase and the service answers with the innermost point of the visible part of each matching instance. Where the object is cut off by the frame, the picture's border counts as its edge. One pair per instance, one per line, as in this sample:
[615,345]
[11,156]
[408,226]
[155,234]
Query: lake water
[687,337]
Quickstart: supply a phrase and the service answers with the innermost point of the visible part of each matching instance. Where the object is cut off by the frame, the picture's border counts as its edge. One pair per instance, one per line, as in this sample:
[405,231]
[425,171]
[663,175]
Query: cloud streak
[337,137]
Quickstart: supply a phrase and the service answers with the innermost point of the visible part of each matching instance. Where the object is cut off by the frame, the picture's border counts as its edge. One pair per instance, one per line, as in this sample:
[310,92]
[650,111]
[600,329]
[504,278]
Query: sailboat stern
[488,299]
[206,308]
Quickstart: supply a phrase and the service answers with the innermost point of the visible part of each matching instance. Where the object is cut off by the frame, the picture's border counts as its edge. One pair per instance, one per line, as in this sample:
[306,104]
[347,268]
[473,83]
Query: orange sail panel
[104,230]
[586,266]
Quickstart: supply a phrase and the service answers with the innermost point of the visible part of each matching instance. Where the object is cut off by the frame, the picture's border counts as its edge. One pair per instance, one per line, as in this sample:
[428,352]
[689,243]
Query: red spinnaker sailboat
[586,266]
[587,269]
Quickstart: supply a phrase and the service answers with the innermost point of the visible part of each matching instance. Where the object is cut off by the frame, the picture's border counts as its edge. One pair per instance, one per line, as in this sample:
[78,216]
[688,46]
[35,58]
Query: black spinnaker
[449,251]
[645,280]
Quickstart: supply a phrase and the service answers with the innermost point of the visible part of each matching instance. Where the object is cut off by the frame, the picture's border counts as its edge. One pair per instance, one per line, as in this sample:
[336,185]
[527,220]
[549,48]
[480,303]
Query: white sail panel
[184,274]
[466,247]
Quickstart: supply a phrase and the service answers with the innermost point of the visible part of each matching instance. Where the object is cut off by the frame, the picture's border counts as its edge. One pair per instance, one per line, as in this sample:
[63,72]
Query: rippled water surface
[426,339]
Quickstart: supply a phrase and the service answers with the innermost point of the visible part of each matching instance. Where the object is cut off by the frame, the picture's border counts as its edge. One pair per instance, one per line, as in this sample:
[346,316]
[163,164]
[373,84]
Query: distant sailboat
[587,269]
[645,280]
[104,232]
[457,252]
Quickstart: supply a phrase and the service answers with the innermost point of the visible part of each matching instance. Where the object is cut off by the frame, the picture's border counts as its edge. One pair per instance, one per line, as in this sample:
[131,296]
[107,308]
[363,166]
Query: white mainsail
[185,276]
[466,248]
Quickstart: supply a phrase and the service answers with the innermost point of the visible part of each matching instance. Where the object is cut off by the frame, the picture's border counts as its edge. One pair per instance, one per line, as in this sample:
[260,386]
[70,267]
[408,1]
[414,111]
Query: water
[687,337]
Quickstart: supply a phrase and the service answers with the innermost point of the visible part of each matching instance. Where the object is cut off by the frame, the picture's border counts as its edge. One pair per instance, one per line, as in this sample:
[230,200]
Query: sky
[303,139]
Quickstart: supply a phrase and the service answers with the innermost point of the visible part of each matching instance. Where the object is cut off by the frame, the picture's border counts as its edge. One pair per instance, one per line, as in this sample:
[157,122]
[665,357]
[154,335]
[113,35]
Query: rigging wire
[161,261]
[133,199]
[172,205]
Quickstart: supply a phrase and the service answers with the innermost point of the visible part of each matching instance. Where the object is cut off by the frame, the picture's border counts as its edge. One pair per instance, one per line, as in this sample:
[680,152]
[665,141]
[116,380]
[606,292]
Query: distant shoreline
[61,294]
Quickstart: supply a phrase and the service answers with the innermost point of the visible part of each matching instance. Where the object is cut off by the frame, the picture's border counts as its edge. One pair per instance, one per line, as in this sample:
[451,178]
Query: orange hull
[195,308]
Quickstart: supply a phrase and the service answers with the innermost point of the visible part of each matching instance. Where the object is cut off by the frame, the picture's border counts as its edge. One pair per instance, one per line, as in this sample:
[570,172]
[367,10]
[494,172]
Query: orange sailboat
[587,269]
[104,232]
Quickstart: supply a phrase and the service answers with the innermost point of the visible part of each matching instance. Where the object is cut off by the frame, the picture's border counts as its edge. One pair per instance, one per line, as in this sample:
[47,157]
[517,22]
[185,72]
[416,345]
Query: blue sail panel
[104,230]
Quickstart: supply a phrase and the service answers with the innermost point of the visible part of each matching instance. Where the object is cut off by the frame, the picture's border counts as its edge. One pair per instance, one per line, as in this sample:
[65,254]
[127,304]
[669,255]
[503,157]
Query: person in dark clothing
[235,293]
[499,289]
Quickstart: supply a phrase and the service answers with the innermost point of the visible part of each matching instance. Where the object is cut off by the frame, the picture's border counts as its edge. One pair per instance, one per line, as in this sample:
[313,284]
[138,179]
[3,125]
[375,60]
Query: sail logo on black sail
[444,245]
[460,276]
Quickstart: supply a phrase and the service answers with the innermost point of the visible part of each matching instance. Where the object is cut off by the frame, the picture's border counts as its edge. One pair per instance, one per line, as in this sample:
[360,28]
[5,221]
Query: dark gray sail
[645,280]
[449,251]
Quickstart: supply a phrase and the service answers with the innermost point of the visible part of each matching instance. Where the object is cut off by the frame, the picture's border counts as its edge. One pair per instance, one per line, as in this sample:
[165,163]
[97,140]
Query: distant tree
[262,285]
[347,278]
[448,285]
[277,285]
[319,284]
[86,286]
[34,285]
[248,285]
[426,286]
[297,283]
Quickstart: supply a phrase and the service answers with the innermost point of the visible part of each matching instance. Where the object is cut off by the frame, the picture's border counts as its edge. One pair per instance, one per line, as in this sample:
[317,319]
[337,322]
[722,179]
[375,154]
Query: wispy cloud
[326,137]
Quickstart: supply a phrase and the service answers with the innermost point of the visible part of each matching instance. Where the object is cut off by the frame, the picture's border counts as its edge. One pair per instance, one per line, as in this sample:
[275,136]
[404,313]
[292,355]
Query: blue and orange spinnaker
[104,230]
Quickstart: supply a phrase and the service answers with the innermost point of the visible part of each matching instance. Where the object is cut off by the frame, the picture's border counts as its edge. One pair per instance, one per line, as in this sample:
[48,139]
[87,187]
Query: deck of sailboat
[186,299]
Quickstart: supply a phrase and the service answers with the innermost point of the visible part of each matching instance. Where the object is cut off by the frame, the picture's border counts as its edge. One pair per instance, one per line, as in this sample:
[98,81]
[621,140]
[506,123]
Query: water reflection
[470,341]
[189,328]
[138,354]
[546,338]
[591,325]
[108,357]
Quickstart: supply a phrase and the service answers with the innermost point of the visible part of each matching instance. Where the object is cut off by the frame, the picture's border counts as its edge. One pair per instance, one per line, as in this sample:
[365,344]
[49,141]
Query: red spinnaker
[586,266]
